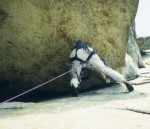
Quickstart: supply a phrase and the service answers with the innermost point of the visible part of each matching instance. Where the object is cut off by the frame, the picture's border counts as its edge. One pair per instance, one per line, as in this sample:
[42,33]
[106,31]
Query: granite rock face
[130,69]
[134,51]
[133,59]
[36,38]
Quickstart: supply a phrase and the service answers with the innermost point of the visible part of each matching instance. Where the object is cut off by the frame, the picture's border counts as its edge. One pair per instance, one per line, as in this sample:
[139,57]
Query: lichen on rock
[37,36]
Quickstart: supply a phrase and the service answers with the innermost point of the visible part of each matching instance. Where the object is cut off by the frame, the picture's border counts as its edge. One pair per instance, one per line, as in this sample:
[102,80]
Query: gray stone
[130,69]
[143,43]
[134,52]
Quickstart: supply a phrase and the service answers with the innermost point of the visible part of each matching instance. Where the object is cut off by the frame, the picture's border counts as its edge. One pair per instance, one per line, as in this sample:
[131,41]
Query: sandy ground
[108,108]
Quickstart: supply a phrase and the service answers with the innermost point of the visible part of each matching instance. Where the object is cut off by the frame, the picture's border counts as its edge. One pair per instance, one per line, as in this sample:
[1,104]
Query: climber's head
[79,44]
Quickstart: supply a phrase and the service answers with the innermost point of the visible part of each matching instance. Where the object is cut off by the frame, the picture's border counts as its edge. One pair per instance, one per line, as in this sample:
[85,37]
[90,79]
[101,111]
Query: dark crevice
[35,96]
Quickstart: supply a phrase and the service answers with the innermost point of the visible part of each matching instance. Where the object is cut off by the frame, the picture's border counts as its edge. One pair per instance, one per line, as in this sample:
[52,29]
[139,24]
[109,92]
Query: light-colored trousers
[94,62]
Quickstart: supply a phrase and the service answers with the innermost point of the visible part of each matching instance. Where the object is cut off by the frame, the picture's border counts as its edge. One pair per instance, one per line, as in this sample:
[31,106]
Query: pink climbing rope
[36,87]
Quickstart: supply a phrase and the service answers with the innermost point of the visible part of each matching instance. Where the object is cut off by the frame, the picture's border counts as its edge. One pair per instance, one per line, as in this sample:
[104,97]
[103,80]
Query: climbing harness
[38,86]
[91,53]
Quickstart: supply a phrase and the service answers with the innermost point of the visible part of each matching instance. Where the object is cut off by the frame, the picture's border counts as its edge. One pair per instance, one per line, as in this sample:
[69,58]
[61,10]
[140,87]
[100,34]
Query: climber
[83,56]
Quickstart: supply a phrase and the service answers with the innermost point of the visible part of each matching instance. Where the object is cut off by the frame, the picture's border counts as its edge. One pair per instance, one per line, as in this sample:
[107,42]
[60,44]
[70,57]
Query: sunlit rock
[134,51]
[130,69]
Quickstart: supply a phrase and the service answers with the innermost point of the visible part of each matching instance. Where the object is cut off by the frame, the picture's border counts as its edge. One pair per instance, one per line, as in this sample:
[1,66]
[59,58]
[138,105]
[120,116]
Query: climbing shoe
[129,86]
[74,91]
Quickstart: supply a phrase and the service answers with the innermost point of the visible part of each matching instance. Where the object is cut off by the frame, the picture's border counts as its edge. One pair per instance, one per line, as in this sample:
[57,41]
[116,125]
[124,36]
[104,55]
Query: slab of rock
[134,52]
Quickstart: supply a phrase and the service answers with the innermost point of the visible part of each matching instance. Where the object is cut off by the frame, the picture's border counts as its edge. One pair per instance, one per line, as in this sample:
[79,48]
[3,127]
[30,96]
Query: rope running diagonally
[38,86]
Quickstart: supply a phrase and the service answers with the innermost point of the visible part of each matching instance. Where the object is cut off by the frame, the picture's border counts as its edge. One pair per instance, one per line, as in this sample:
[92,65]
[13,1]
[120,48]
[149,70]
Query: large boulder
[36,38]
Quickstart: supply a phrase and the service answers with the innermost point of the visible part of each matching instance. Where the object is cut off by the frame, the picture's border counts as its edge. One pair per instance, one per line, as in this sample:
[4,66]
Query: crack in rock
[136,111]
[140,83]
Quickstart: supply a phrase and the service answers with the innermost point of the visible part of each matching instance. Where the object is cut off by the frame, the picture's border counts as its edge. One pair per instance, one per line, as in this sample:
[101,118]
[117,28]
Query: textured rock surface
[130,69]
[143,43]
[36,37]
[134,51]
